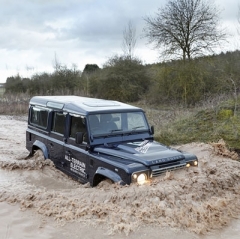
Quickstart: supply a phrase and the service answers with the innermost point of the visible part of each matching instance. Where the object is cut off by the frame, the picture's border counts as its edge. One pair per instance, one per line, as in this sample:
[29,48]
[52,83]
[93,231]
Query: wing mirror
[152,130]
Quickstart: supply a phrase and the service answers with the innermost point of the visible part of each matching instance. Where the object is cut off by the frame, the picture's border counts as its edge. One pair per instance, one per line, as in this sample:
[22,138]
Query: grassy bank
[204,125]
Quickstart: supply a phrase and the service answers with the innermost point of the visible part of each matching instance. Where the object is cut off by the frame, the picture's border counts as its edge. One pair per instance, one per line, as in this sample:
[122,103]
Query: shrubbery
[128,80]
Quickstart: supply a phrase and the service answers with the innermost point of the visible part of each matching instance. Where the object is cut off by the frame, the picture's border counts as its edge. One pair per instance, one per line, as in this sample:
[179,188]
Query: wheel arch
[104,173]
[39,145]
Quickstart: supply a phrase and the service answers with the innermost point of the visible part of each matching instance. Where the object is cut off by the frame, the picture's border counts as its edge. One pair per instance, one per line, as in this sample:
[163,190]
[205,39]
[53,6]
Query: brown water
[37,200]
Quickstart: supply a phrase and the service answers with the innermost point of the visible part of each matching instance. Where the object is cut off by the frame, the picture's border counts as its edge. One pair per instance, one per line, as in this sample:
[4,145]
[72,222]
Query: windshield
[115,123]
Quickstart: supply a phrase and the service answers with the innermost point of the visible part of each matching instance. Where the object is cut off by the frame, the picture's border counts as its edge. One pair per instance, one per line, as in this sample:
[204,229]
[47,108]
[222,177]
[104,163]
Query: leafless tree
[56,63]
[129,40]
[238,19]
[186,28]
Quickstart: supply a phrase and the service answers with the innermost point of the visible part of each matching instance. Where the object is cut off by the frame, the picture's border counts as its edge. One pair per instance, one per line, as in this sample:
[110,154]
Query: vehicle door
[56,138]
[76,156]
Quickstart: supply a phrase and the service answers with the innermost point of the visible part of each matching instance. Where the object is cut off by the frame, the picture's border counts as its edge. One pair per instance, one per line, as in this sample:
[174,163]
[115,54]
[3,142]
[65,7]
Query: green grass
[208,125]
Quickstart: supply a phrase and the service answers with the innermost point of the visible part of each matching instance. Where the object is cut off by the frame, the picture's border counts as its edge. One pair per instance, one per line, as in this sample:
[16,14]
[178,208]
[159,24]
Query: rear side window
[58,122]
[39,117]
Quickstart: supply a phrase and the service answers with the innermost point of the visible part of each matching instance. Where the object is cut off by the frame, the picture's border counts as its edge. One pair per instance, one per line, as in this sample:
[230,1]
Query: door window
[58,122]
[78,125]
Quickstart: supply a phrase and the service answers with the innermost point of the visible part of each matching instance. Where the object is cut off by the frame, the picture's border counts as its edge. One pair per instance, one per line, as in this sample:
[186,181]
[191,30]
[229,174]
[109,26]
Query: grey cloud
[77,29]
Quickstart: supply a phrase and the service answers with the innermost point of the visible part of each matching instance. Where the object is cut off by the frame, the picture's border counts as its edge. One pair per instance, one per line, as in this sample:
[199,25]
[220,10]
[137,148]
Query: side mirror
[79,137]
[152,130]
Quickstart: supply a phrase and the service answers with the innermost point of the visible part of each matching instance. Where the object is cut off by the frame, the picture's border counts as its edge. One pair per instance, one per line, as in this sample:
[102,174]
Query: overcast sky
[80,32]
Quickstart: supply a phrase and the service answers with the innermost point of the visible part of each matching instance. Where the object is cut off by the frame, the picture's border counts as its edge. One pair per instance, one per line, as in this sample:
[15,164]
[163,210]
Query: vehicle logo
[143,147]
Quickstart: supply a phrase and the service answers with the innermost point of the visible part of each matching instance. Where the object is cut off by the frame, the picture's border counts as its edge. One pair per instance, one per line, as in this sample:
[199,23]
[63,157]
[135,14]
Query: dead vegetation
[220,148]
[14,104]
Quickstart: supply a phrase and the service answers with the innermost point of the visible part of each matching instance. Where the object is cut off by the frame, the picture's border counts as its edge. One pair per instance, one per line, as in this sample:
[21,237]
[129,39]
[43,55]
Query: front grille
[161,168]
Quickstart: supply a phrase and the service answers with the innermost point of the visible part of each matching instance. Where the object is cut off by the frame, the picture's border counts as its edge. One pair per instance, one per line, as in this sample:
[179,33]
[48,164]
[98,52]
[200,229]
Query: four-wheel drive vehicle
[94,139]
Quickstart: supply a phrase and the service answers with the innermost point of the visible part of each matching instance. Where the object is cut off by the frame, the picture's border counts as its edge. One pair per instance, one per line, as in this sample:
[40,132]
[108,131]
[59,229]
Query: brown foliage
[220,148]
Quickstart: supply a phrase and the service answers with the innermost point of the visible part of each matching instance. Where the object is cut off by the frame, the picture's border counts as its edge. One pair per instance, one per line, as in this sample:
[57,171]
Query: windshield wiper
[115,130]
[137,127]
[134,129]
[107,134]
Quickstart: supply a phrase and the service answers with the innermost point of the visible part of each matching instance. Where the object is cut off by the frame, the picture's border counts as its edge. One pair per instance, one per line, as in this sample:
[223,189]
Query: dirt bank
[195,202]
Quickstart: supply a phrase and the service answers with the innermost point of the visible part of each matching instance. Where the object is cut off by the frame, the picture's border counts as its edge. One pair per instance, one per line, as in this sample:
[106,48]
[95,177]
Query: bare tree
[129,40]
[186,28]
[238,19]
[56,63]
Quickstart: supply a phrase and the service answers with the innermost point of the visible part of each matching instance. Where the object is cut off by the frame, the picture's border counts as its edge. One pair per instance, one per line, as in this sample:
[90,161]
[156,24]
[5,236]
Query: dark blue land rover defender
[94,139]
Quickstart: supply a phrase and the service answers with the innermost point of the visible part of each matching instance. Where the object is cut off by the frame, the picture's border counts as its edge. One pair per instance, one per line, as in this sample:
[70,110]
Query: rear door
[57,138]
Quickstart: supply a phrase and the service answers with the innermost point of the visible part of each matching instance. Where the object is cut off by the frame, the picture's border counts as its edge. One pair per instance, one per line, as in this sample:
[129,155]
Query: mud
[195,201]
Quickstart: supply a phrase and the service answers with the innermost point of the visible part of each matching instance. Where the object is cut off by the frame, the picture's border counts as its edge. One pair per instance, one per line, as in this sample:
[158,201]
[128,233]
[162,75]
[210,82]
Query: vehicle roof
[81,105]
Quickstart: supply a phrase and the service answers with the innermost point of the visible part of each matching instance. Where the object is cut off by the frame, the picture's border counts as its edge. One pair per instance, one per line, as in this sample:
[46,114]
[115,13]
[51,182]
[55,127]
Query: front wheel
[38,155]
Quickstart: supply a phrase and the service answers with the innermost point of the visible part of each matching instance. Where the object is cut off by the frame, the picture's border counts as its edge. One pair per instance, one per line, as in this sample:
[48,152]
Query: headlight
[135,176]
[141,179]
[188,165]
[195,163]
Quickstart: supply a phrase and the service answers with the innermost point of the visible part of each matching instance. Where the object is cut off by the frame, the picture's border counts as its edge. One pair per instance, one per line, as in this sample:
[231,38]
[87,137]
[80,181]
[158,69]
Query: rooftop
[83,105]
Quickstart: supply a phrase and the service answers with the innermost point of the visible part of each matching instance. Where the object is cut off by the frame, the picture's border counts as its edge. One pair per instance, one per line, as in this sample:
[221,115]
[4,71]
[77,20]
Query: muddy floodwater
[38,201]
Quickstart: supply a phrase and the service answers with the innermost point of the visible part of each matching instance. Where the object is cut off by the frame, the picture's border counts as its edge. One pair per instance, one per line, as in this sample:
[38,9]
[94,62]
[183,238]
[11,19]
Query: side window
[39,117]
[77,125]
[58,122]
